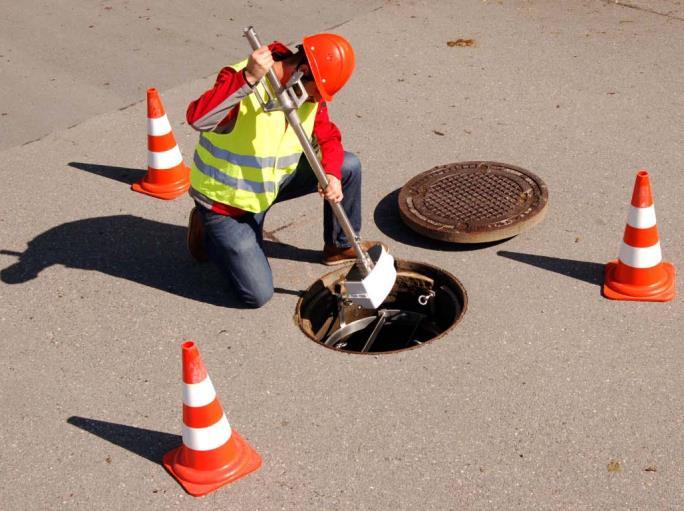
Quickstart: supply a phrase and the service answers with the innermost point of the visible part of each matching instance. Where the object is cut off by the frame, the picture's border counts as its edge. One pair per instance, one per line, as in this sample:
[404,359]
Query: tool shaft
[290,110]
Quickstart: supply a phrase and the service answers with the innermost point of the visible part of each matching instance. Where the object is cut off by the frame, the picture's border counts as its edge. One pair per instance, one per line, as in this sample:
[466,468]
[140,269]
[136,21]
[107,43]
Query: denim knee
[351,167]
[257,298]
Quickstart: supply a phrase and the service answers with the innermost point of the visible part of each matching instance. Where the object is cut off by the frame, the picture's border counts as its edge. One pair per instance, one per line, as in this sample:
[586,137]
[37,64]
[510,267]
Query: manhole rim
[342,269]
[417,225]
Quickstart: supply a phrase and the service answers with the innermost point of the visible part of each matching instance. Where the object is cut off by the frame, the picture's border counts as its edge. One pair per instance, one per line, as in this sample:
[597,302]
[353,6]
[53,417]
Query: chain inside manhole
[425,303]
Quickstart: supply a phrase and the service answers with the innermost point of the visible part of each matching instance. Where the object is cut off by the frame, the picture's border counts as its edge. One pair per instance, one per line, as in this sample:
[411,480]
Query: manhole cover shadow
[388,221]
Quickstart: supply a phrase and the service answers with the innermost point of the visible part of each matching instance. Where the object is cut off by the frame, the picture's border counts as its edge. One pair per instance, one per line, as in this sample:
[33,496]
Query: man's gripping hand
[258,64]
[333,191]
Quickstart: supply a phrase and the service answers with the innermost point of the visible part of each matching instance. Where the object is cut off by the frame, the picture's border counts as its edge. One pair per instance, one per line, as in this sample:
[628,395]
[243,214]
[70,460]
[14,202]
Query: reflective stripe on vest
[244,168]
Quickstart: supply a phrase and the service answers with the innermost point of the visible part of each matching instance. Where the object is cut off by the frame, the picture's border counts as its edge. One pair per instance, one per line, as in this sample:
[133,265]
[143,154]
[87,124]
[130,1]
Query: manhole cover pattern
[467,197]
[473,202]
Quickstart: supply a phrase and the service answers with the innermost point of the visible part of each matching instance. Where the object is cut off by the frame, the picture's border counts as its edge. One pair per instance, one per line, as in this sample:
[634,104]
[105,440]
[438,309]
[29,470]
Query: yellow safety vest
[245,167]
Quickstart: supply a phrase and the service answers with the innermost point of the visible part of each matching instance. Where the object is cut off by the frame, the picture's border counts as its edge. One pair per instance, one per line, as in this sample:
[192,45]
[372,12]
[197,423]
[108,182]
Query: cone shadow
[580,270]
[387,218]
[122,174]
[150,253]
[149,444]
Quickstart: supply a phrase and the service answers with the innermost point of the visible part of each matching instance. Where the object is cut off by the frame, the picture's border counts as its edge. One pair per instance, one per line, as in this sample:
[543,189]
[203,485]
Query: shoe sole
[349,260]
[338,262]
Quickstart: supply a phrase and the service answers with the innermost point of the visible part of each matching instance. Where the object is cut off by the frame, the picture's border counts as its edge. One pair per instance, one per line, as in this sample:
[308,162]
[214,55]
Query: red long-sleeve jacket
[217,109]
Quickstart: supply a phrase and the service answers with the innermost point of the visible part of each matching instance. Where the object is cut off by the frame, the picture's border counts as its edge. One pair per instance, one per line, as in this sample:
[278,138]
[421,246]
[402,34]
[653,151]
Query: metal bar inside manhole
[382,317]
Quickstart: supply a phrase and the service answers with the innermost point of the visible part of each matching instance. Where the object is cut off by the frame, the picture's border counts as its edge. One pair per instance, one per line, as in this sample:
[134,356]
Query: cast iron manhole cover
[473,201]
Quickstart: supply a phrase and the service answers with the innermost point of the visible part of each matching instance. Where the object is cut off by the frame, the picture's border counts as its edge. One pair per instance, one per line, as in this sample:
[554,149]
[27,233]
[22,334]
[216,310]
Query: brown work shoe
[333,255]
[196,236]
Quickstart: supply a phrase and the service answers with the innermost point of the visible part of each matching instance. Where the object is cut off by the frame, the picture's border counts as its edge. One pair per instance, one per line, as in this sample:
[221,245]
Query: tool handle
[290,108]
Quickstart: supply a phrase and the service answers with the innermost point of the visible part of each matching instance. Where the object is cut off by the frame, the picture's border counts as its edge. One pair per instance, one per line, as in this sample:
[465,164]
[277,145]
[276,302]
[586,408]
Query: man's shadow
[144,251]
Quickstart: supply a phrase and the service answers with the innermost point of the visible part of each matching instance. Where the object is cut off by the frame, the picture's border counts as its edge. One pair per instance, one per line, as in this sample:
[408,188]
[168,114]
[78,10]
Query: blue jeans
[236,244]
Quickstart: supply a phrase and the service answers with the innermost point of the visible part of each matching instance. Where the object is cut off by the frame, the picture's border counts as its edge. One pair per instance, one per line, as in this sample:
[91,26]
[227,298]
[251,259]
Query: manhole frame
[334,275]
[437,227]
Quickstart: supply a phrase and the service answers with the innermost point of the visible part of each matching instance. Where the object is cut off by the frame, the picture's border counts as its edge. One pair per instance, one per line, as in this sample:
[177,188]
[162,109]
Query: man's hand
[258,64]
[333,192]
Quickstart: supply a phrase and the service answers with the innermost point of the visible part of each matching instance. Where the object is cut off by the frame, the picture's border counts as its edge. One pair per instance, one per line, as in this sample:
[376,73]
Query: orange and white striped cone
[640,273]
[167,176]
[212,454]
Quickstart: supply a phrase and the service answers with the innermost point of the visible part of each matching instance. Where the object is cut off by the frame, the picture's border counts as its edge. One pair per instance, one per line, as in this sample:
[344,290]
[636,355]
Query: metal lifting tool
[370,281]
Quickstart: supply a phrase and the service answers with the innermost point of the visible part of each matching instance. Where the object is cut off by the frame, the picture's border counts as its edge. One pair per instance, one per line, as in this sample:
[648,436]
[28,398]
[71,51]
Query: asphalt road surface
[545,396]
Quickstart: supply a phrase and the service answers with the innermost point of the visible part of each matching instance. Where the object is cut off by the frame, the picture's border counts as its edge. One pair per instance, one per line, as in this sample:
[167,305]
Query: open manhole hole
[424,304]
[473,201]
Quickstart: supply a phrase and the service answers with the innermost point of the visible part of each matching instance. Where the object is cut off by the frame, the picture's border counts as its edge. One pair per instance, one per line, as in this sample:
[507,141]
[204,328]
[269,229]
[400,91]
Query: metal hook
[424,299]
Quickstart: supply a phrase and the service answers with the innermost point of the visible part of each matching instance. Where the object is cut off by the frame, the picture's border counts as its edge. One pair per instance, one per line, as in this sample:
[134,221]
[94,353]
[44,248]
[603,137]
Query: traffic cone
[640,273]
[212,454]
[167,176]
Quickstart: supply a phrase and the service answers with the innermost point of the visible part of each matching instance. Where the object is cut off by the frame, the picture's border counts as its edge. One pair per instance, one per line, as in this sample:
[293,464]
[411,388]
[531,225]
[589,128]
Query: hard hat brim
[313,65]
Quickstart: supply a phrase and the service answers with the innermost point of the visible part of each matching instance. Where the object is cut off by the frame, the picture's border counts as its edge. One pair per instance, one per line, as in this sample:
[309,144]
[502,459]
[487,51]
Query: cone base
[167,191]
[247,461]
[661,292]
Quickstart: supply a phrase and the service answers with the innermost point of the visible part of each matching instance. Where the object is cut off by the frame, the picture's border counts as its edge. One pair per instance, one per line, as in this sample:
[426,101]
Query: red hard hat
[331,59]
